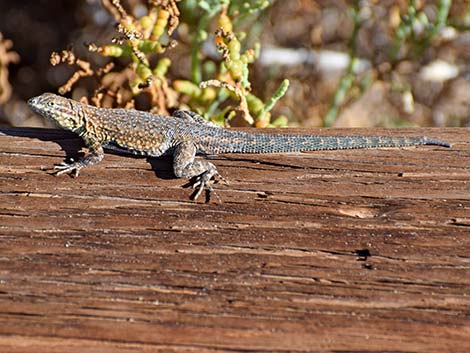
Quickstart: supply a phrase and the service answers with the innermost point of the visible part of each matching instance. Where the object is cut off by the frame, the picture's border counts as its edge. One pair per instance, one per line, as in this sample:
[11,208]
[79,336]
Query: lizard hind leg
[186,166]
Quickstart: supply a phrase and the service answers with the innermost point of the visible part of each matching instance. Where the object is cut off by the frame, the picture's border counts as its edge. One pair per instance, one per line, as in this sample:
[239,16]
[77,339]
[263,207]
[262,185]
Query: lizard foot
[73,168]
[203,182]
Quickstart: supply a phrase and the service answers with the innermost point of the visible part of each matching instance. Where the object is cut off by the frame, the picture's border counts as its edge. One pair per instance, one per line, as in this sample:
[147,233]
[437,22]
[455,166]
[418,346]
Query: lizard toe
[65,168]
[203,182]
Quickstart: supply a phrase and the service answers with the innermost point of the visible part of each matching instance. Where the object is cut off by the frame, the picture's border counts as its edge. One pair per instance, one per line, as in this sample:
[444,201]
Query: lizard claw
[64,168]
[209,189]
[225,181]
[203,182]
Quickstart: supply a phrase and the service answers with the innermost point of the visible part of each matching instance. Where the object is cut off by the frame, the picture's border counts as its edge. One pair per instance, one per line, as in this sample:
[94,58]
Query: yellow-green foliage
[218,94]
[231,80]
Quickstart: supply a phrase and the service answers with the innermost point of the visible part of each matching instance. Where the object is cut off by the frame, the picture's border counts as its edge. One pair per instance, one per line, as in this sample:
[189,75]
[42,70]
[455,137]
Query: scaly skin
[184,135]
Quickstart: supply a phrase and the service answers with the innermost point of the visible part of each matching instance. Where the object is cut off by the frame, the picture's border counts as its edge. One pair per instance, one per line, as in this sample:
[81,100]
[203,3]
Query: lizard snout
[33,101]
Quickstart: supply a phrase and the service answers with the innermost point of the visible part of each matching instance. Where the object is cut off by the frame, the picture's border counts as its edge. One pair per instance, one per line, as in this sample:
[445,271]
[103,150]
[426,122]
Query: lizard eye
[50,104]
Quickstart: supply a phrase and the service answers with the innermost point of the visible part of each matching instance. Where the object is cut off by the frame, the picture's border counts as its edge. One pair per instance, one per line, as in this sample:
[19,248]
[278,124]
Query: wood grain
[358,250]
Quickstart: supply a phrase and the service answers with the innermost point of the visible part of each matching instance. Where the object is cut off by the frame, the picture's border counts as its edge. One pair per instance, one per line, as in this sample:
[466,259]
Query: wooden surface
[358,250]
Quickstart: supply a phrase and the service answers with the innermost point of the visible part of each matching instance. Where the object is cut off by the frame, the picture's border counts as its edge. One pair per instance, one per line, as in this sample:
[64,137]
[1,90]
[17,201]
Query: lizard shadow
[161,166]
[69,142]
[72,145]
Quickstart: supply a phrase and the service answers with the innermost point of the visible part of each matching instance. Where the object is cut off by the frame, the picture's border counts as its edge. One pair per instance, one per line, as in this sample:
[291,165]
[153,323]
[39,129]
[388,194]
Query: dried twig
[68,57]
[6,57]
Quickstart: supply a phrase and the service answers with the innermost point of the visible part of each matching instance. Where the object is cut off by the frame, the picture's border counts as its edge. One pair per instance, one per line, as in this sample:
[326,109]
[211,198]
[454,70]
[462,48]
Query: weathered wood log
[354,250]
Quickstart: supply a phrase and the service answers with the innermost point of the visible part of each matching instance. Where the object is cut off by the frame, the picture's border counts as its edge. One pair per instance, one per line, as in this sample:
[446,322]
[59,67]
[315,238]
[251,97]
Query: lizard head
[62,111]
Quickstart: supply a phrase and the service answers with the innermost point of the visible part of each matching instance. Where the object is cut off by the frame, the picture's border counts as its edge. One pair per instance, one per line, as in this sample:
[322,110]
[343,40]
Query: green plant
[143,42]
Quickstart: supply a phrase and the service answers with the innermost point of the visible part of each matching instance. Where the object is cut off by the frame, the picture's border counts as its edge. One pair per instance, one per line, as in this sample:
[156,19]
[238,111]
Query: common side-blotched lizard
[184,135]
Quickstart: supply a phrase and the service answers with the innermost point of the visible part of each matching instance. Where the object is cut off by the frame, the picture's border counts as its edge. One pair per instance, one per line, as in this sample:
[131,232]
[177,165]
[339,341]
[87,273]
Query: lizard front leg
[186,166]
[96,155]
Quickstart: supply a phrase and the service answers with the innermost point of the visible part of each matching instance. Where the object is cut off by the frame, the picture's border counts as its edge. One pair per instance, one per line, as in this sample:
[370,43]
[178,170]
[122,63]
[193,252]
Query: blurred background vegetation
[243,63]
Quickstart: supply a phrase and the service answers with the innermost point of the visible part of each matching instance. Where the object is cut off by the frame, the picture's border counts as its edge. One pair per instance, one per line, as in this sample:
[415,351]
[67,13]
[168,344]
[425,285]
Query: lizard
[184,135]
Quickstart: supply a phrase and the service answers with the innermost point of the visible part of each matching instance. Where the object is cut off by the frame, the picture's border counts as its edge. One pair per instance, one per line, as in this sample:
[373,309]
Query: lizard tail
[242,142]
